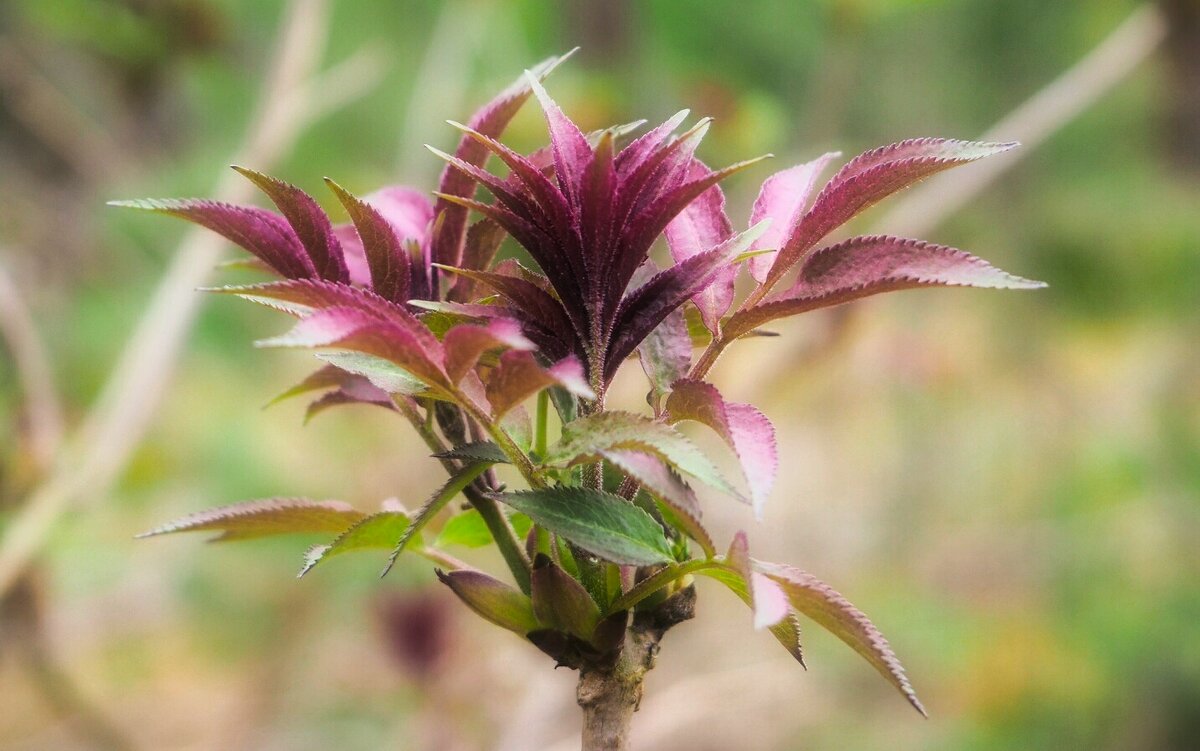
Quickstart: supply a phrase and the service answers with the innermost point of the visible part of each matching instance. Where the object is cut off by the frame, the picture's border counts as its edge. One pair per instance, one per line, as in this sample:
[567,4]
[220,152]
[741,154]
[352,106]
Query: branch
[129,400]
[43,409]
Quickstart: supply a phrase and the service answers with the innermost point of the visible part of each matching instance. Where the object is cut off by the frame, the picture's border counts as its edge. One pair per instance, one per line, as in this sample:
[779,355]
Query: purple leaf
[648,223]
[309,221]
[635,154]
[492,599]
[867,179]
[572,154]
[747,431]
[387,260]
[483,242]
[264,233]
[490,120]
[700,227]
[537,305]
[817,600]
[783,199]
[644,308]
[863,266]
[264,518]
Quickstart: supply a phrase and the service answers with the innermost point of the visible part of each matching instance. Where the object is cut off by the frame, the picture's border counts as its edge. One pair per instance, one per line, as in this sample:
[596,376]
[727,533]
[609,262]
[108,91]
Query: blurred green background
[1007,483]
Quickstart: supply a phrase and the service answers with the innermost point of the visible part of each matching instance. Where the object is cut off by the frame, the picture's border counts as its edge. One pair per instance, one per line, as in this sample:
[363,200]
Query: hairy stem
[497,523]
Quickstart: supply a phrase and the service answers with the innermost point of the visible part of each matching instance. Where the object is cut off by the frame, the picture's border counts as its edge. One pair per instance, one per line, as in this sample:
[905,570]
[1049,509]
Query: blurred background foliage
[1007,483]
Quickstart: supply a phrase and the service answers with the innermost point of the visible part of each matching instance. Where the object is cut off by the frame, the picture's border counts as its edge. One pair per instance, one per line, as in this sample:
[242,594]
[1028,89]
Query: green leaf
[481,451]
[265,518]
[382,373]
[601,523]
[470,530]
[444,495]
[499,603]
[587,438]
[380,530]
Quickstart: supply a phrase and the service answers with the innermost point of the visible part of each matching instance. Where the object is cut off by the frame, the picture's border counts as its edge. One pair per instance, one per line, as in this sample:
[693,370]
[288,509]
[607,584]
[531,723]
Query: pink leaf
[863,266]
[466,343]
[702,226]
[356,330]
[817,600]
[783,199]
[519,376]
[747,431]
[869,178]
[666,355]
[668,487]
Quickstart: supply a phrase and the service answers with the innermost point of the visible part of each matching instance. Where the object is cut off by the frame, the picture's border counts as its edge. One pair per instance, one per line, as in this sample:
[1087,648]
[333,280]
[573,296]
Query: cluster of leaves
[411,312]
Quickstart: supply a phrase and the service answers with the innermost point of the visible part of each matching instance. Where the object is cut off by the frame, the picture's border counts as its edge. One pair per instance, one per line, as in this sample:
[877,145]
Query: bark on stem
[608,700]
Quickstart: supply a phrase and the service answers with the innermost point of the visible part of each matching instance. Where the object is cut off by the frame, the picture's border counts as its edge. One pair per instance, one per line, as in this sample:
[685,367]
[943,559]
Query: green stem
[543,419]
[502,532]
[647,587]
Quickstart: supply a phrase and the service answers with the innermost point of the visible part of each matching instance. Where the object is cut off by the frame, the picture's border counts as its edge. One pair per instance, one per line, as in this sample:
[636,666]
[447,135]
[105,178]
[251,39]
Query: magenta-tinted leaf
[747,431]
[519,376]
[264,233]
[732,575]
[666,355]
[817,600]
[490,120]
[300,297]
[561,602]
[702,226]
[646,307]
[869,178]
[483,242]
[492,599]
[353,329]
[387,260]
[632,156]
[572,154]
[537,305]
[311,224]
[863,266]
[668,488]
[466,343]
[767,599]
[264,518]
[783,199]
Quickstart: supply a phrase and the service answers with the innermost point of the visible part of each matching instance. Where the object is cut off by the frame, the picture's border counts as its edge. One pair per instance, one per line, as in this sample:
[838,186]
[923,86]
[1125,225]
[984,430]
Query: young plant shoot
[408,309]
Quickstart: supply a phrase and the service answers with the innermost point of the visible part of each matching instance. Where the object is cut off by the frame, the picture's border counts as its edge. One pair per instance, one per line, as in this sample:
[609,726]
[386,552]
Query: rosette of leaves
[409,310]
